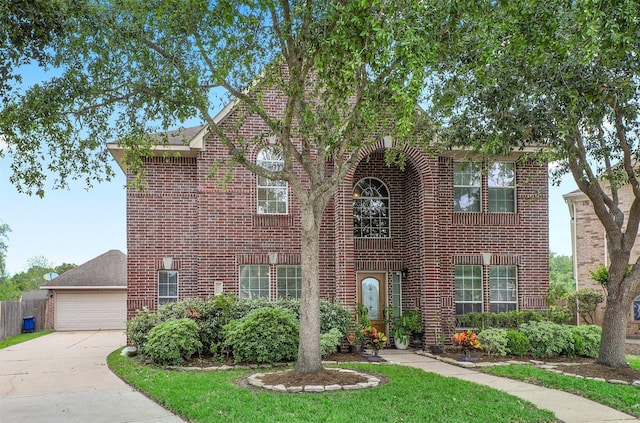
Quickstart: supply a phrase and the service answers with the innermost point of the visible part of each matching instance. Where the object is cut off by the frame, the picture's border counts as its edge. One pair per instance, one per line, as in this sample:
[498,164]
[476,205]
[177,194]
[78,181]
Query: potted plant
[404,326]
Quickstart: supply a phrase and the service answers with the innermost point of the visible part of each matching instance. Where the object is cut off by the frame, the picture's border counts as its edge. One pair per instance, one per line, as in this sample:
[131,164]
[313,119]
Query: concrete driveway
[63,377]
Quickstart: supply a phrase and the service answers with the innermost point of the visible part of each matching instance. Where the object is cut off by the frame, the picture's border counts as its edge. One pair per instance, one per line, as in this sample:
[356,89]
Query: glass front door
[372,295]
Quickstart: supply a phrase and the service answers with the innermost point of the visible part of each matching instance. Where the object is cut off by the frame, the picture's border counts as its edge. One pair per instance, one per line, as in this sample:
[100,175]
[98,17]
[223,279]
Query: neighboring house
[443,235]
[91,296]
[589,247]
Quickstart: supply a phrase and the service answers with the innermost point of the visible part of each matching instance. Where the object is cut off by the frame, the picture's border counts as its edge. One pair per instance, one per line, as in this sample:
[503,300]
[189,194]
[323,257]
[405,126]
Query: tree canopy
[349,73]
[562,74]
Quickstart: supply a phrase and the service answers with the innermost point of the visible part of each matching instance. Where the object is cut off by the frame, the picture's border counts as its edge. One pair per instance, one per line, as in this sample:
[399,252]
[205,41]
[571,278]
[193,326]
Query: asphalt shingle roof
[108,269]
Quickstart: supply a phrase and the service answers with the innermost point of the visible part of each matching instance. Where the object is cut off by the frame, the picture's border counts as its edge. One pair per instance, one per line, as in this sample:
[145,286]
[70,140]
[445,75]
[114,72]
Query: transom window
[371,217]
[288,281]
[466,187]
[501,180]
[254,281]
[468,280]
[272,195]
[167,286]
[503,283]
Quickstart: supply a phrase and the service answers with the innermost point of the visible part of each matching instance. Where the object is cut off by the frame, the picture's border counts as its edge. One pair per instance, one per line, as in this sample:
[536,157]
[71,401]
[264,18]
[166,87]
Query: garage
[77,310]
[92,296]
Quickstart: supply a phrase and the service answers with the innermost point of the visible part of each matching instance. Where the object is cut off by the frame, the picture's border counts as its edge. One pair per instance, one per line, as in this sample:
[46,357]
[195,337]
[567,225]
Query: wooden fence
[12,314]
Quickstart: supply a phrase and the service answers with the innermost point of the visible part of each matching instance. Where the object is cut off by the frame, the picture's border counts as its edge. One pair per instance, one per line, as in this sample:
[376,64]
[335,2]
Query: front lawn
[411,396]
[621,397]
[23,337]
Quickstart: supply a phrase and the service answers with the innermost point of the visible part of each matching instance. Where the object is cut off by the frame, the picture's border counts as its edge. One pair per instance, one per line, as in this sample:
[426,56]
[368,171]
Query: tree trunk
[309,357]
[614,326]
[614,333]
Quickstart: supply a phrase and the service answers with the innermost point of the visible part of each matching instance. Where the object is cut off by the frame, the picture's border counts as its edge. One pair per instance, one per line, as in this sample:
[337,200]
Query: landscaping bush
[173,341]
[511,319]
[517,342]
[334,315]
[587,340]
[494,341]
[265,335]
[548,338]
[329,341]
[139,327]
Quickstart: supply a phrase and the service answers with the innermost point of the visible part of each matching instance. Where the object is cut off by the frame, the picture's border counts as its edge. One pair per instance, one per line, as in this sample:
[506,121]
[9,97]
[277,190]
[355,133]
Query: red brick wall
[210,230]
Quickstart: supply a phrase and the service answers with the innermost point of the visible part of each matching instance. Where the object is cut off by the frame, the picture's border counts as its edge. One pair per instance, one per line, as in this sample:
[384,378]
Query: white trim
[84,288]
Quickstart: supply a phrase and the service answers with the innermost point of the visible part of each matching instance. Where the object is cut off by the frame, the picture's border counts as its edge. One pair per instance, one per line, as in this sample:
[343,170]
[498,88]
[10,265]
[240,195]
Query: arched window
[272,195]
[371,217]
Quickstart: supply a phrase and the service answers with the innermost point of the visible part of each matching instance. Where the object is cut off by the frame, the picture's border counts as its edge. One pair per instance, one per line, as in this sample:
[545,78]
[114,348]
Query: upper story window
[167,286]
[500,188]
[501,181]
[371,217]
[467,186]
[272,195]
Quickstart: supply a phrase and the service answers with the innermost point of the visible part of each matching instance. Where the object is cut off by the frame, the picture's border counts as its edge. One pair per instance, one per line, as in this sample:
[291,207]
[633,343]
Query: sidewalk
[567,407]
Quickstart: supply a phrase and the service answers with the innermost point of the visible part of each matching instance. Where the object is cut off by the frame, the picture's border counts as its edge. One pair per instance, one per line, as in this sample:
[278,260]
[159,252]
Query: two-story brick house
[589,248]
[444,234]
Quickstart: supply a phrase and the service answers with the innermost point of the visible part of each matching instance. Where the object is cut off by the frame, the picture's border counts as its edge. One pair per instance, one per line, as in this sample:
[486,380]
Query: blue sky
[76,225]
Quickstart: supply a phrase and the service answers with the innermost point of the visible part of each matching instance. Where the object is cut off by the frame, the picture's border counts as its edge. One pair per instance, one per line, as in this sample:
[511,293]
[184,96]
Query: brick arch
[423,264]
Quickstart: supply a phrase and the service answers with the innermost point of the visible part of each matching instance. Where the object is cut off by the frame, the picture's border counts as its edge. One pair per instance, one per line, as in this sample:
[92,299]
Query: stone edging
[372,381]
[539,364]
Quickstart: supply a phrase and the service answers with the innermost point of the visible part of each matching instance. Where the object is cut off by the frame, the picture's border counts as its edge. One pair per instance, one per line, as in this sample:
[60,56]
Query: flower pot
[402,342]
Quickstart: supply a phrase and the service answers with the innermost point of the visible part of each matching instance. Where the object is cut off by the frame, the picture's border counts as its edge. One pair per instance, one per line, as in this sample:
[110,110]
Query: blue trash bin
[29,324]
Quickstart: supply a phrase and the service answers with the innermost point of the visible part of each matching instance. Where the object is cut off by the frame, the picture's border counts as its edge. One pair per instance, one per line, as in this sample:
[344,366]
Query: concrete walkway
[63,377]
[567,407]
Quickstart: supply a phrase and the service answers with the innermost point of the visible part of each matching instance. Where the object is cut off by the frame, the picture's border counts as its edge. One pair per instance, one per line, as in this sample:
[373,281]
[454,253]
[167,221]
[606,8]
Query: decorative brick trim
[177,264]
[378,265]
[377,244]
[486,219]
[536,302]
[446,301]
[467,259]
[138,304]
[272,220]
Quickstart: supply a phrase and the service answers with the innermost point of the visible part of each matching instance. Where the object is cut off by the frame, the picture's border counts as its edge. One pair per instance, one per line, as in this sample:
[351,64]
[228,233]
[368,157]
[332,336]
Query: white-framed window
[167,286]
[503,288]
[501,182]
[288,281]
[254,281]
[636,308]
[468,281]
[273,196]
[467,187]
[371,213]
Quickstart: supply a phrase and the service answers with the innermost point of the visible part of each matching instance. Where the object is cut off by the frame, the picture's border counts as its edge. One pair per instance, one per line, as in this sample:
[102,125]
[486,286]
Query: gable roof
[107,271]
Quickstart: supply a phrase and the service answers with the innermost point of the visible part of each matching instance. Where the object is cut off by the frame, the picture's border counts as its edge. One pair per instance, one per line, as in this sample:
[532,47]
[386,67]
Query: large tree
[565,74]
[350,72]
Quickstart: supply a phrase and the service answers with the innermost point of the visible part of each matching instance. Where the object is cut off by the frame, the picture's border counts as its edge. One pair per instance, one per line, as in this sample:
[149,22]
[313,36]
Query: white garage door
[90,310]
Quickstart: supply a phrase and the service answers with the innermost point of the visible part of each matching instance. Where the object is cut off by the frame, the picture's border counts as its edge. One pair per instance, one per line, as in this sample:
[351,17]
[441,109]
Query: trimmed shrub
[548,339]
[511,319]
[329,342]
[173,341]
[265,335]
[517,342]
[334,315]
[587,340]
[139,327]
[494,341]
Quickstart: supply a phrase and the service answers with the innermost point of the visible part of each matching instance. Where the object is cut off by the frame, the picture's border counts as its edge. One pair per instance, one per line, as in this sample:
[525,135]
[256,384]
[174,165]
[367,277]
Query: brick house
[444,235]
[589,249]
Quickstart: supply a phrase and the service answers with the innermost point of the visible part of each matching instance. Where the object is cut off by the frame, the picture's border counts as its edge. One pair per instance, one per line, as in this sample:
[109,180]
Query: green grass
[634,361]
[410,396]
[621,397]
[5,343]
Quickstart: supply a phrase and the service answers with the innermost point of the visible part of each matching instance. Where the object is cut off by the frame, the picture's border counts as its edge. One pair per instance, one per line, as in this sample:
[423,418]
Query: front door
[372,288]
